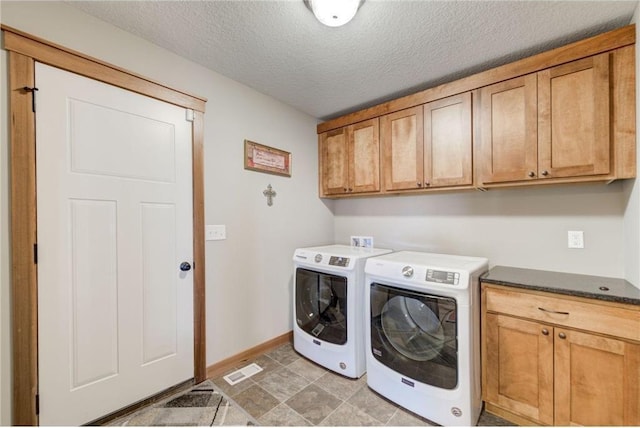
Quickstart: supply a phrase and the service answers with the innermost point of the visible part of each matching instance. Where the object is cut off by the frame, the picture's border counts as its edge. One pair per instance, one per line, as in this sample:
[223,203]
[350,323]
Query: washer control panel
[443,277]
[339,261]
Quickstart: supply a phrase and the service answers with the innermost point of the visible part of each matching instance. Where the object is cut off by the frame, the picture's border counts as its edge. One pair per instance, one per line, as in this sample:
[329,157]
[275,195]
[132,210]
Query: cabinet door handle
[545,173]
[419,184]
[553,312]
[562,335]
[532,174]
[426,183]
[545,331]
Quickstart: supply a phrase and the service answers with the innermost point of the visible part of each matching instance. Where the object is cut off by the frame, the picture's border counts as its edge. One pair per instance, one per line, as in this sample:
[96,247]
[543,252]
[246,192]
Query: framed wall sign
[266,159]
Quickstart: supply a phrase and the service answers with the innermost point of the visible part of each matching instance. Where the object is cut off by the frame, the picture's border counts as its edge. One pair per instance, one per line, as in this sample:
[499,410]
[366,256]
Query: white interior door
[115,312]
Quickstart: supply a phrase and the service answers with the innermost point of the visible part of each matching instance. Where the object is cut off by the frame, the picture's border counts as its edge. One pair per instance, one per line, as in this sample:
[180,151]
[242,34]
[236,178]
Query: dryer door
[321,305]
[415,334]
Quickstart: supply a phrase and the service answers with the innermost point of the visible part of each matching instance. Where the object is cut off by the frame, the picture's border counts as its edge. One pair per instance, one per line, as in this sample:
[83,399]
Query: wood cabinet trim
[623,112]
[608,41]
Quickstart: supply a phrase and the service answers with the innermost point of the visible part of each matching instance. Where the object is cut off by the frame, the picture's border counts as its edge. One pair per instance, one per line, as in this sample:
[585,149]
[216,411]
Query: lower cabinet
[519,367]
[597,380]
[545,373]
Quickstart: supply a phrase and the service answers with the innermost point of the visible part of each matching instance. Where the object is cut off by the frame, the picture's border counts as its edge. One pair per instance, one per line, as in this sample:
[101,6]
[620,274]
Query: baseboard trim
[217,369]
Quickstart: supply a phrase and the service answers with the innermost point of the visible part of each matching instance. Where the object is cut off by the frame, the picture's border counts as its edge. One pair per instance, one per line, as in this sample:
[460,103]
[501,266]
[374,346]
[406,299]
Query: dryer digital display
[443,277]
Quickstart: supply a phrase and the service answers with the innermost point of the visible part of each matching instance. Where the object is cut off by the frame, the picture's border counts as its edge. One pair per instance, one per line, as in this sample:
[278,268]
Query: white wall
[249,276]
[632,191]
[524,227]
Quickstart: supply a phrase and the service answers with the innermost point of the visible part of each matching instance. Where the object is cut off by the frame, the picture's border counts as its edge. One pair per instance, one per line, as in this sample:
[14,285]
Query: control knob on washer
[318,258]
[407,271]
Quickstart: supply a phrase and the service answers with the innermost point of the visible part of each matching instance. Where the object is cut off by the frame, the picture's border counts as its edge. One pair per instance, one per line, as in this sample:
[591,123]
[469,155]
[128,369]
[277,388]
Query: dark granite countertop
[615,289]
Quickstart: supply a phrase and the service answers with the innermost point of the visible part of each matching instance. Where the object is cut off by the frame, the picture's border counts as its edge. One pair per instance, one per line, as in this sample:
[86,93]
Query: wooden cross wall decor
[270,194]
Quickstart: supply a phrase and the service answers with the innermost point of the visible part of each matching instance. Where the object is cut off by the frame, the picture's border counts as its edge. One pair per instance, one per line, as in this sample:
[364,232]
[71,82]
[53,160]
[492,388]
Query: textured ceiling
[391,48]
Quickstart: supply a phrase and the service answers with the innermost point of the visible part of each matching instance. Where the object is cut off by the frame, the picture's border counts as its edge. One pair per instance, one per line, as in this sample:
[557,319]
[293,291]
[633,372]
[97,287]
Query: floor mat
[202,405]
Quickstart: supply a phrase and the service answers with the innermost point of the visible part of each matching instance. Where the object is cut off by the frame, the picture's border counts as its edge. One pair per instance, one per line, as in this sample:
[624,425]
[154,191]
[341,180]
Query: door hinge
[37,404]
[35,253]
[33,96]
[189,115]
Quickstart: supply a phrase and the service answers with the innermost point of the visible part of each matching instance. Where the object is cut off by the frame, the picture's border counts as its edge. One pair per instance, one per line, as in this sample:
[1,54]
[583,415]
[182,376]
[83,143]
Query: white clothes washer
[423,333]
[328,306]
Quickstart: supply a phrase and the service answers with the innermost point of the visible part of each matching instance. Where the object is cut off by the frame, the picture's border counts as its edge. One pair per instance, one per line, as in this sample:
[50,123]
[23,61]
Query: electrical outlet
[362,241]
[215,232]
[366,241]
[575,239]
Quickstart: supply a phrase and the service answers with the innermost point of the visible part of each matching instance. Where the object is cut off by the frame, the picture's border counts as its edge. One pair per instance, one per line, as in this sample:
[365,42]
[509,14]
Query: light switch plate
[215,232]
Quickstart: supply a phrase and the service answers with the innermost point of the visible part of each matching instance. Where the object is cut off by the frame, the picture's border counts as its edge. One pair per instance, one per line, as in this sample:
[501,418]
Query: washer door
[415,334]
[321,305]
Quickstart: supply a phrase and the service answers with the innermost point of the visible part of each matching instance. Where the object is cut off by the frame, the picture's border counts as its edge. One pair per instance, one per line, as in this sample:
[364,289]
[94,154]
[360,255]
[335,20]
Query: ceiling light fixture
[334,13]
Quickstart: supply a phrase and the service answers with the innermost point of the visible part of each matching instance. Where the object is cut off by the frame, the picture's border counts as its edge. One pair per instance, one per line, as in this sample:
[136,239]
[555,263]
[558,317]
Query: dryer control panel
[443,277]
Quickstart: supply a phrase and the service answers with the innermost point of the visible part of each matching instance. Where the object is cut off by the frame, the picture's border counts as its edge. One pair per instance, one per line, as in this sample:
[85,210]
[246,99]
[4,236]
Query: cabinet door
[573,108]
[519,367]
[508,134]
[364,156]
[402,145]
[447,142]
[334,153]
[597,380]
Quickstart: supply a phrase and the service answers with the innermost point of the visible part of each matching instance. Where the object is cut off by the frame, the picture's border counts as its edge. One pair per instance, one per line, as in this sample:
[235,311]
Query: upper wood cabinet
[551,124]
[402,147]
[447,142]
[428,146]
[567,115]
[350,159]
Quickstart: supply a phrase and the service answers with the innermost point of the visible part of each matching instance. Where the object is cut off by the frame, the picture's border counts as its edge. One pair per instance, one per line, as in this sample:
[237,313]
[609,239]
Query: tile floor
[293,391]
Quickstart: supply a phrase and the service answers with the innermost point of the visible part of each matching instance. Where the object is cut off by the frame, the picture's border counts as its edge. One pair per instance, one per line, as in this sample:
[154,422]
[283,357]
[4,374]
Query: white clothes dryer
[423,333]
[328,306]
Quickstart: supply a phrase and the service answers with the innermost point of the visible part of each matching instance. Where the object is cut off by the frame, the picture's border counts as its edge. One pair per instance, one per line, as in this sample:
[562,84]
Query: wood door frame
[24,51]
